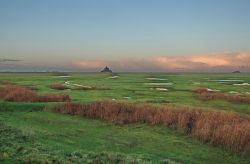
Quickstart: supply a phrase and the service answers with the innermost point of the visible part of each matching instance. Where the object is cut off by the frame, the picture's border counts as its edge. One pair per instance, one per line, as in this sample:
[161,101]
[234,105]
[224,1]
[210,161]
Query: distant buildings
[106,69]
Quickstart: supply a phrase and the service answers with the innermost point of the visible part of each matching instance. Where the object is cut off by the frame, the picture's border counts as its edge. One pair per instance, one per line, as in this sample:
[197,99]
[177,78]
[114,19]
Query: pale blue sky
[42,31]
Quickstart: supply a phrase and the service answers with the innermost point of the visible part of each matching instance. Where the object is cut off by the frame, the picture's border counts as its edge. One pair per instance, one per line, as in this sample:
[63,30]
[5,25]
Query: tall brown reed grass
[205,94]
[23,94]
[219,128]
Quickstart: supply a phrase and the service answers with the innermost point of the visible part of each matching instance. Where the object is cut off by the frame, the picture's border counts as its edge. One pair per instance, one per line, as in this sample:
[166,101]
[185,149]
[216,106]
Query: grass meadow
[32,132]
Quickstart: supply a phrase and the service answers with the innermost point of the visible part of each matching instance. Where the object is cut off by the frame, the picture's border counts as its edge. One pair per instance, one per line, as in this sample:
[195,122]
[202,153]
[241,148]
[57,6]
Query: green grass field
[31,134]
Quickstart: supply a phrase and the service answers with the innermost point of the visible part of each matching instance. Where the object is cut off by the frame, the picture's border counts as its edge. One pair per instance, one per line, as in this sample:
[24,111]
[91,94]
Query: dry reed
[205,94]
[219,128]
[24,94]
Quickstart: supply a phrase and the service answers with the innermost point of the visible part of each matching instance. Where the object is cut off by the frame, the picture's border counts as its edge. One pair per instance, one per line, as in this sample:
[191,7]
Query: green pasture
[30,133]
[137,87]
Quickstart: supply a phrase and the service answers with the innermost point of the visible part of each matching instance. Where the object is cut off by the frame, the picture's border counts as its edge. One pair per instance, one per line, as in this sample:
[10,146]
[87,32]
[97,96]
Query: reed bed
[205,94]
[24,94]
[226,129]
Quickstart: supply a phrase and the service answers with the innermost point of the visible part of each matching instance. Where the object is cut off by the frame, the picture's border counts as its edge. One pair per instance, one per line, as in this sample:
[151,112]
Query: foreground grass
[31,134]
[19,147]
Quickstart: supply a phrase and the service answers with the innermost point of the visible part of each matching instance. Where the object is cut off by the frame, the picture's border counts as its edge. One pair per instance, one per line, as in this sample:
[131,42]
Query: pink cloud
[210,60]
[199,63]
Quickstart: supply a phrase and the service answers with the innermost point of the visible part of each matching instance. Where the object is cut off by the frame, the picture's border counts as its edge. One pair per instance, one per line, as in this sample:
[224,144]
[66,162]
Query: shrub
[219,128]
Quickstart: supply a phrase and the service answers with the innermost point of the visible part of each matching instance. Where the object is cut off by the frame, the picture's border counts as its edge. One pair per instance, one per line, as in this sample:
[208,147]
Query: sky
[126,35]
